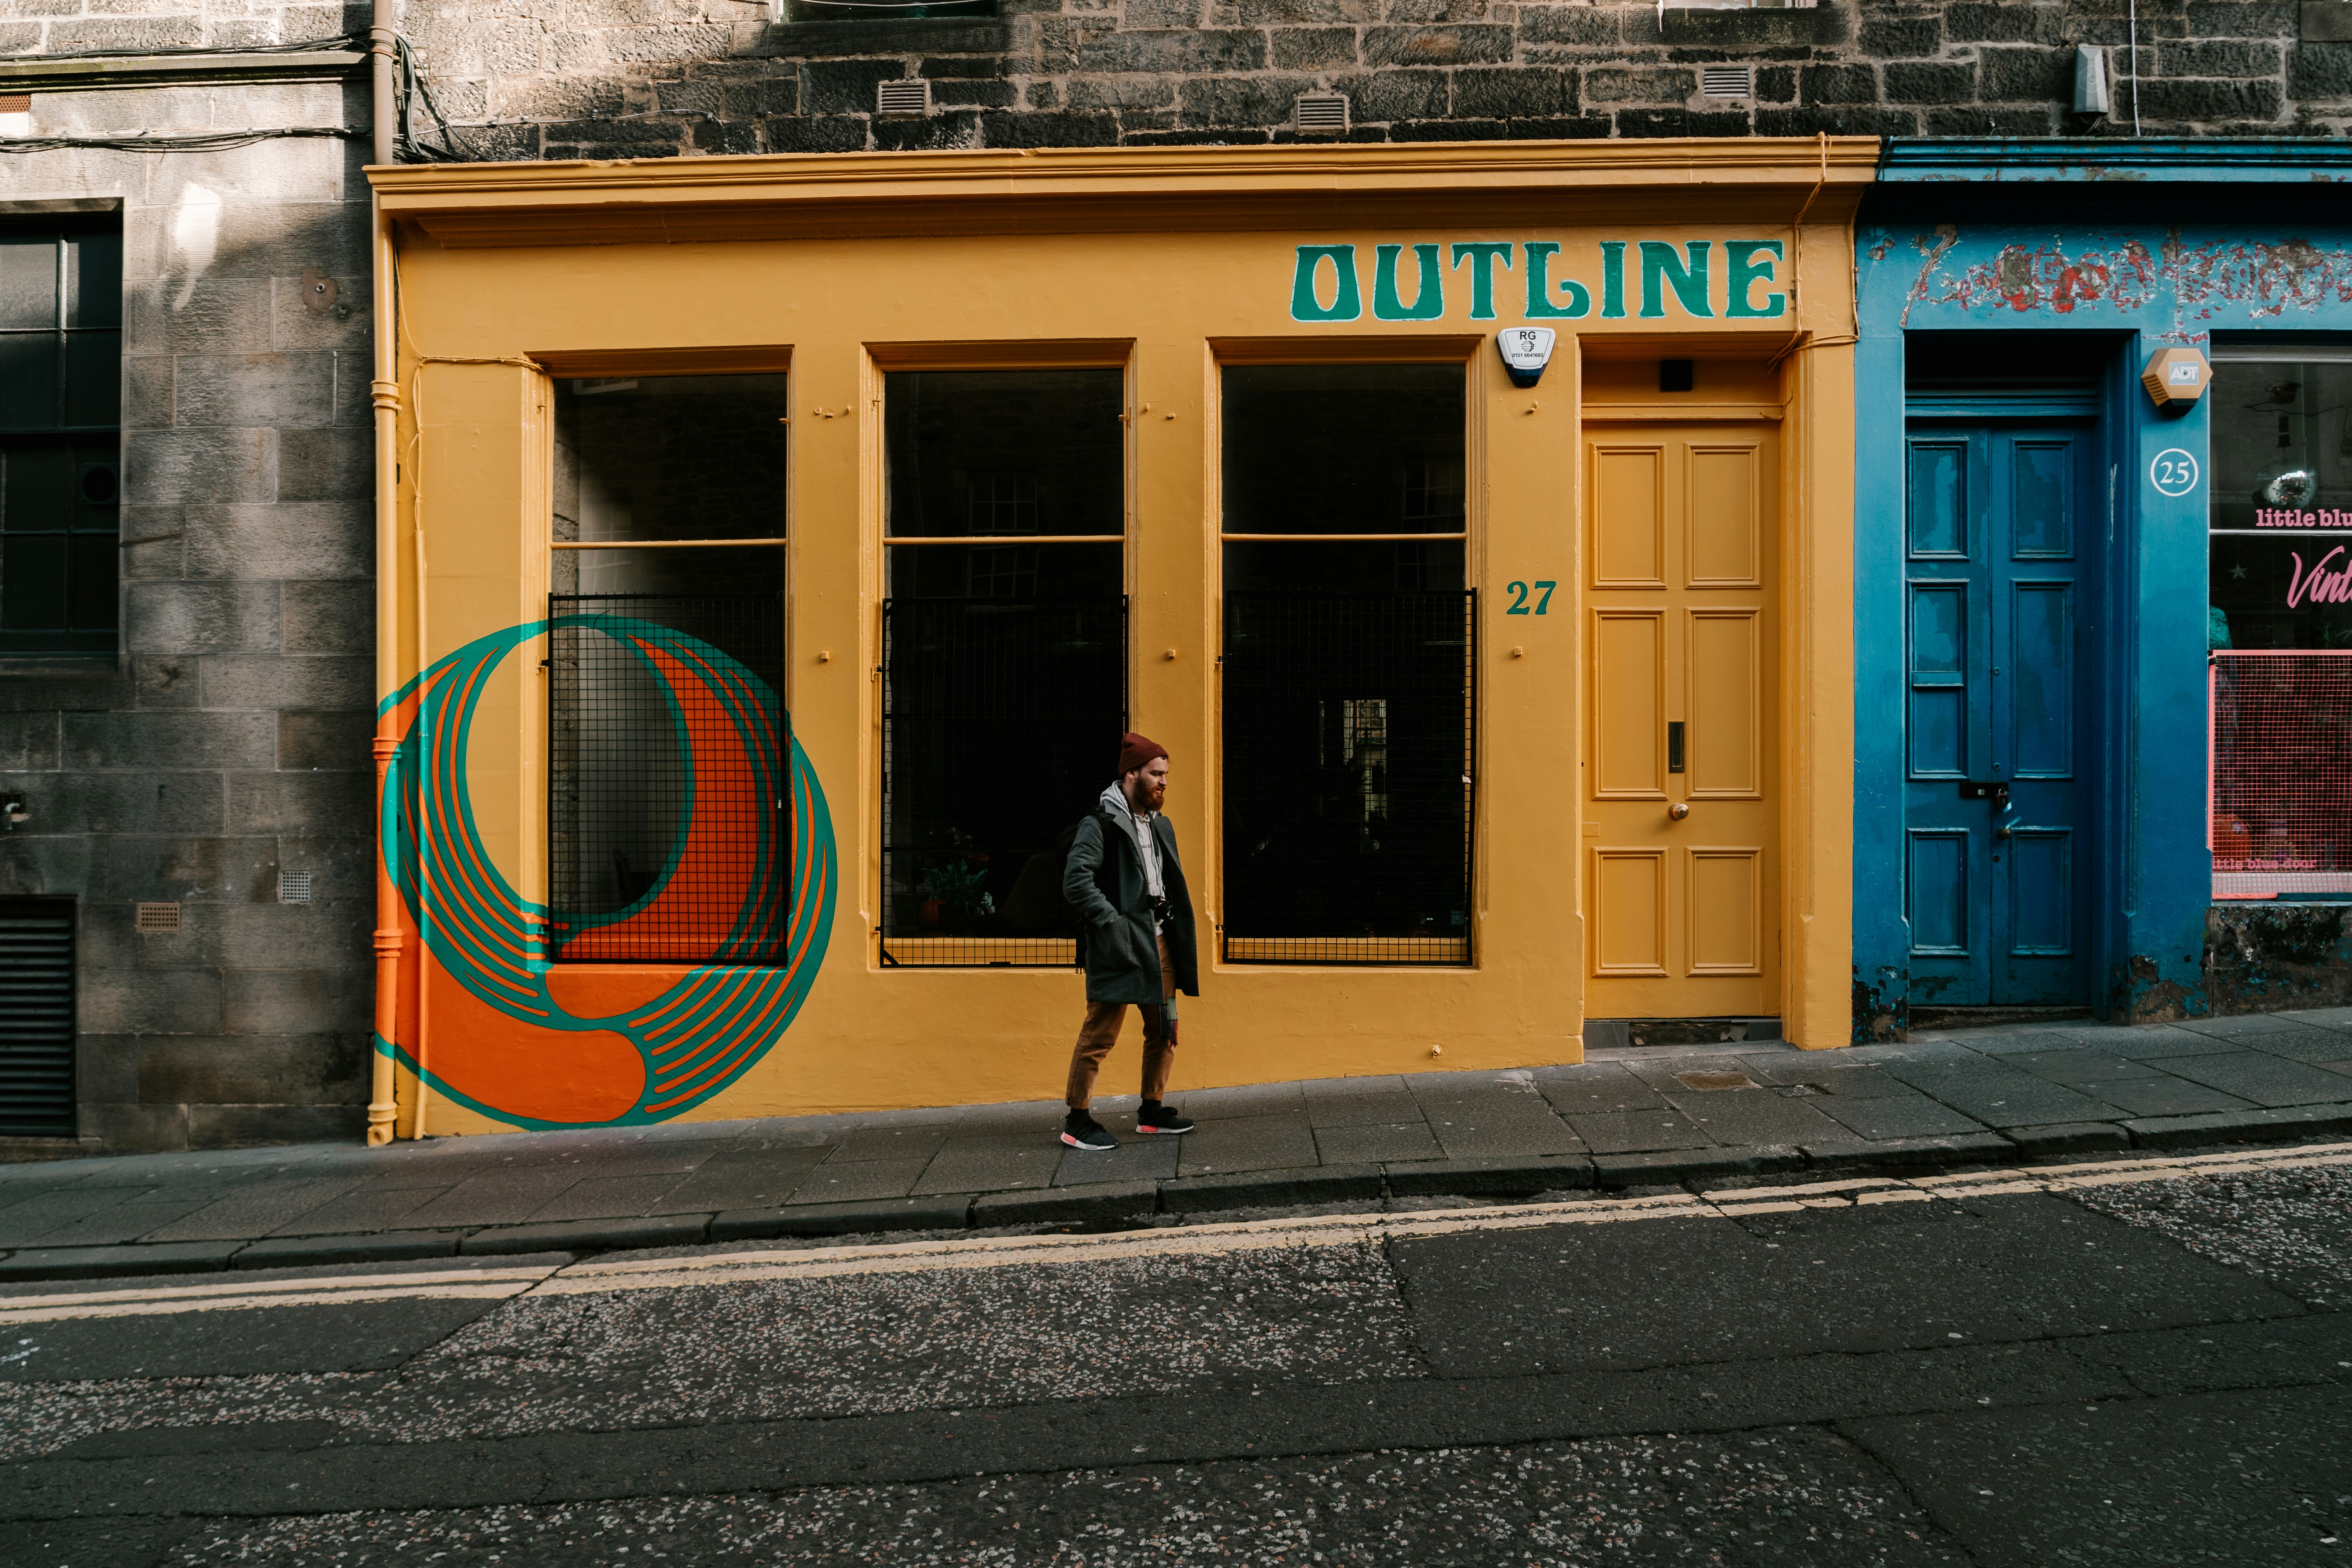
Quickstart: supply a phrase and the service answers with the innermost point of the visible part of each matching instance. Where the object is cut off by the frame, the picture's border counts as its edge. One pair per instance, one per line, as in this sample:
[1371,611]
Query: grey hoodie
[1139,826]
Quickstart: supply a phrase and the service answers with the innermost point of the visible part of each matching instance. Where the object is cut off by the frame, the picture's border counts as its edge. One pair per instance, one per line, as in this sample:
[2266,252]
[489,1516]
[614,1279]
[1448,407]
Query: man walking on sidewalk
[1123,878]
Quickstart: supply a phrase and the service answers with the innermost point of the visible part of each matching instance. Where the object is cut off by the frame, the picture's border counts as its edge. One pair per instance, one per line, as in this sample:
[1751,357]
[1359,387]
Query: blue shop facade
[2104,631]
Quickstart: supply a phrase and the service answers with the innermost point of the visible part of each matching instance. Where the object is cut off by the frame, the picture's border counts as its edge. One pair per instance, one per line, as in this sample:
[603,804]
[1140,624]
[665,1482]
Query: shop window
[1349,648]
[1004,652]
[61,407]
[668,745]
[2281,620]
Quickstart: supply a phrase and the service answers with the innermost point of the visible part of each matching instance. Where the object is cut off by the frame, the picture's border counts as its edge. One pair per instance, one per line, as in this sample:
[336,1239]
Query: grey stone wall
[610,79]
[229,741]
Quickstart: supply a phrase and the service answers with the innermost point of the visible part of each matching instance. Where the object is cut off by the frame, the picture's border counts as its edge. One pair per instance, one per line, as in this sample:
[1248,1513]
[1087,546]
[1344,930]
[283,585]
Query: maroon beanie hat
[1135,751]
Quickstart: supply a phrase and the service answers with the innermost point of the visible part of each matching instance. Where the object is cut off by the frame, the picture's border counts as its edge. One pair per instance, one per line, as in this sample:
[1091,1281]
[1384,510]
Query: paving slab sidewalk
[1640,1116]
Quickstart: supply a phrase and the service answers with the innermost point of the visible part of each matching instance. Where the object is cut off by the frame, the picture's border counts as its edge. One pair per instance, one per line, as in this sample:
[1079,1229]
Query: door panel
[1629,742]
[1681,684]
[1995,800]
[1725,747]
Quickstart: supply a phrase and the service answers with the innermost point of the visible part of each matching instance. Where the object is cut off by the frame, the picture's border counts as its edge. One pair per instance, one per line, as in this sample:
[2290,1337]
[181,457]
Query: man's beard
[1149,795]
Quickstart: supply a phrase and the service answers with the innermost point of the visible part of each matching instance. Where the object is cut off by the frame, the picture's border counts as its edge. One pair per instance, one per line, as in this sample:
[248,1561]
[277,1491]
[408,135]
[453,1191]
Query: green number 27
[1519,598]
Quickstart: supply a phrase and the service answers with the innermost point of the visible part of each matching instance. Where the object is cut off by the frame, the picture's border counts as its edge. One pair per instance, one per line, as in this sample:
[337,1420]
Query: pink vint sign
[2320,586]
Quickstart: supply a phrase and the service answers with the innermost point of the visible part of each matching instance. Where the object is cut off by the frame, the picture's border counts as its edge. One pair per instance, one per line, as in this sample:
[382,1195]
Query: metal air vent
[293,887]
[907,98]
[156,916]
[1320,114]
[37,1018]
[1727,81]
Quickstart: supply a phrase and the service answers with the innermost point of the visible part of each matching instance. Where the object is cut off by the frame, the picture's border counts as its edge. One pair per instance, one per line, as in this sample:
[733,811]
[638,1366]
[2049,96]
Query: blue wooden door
[2000,533]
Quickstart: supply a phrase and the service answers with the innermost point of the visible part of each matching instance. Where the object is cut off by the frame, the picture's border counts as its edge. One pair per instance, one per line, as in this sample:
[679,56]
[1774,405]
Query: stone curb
[587,1235]
[1487,1176]
[1911,1153]
[950,1213]
[1098,1203]
[117,1262]
[2238,1126]
[1668,1166]
[1269,1189]
[2068,1138]
[387,1246]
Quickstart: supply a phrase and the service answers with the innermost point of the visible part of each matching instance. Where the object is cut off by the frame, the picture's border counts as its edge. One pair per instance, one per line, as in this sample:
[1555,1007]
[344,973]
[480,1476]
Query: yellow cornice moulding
[763,196]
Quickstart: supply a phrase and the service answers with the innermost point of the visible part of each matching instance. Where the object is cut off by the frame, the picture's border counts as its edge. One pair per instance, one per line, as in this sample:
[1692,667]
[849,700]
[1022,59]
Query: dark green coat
[1103,880]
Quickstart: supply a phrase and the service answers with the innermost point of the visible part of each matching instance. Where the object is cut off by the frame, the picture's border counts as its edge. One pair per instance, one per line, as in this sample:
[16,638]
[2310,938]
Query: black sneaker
[1152,1118]
[1080,1131]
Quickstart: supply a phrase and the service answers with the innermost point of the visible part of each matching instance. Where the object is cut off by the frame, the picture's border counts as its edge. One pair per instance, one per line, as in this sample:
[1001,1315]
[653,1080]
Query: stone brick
[1921,82]
[1776,84]
[337,741]
[1736,29]
[1312,49]
[273,681]
[846,87]
[29,741]
[1611,85]
[274,936]
[1580,128]
[326,465]
[296,1002]
[36,865]
[1191,53]
[1590,26]
[147,390]
[296,328]
[768,95]
[308,539]
[1288,12]
[207,868]
[134,1128]
[2210,58]
[255,389]
[1901,38]
[305,802]
[2007,22]
[242,1126]
[2320,71]
[819,40]
[1647,123]
[151,1001]
[2008,120]
[1394,95]
[1449,130]
[1837,121]
[328,618]
[2023,75]
[1436,46]
[138,803]
[799,134]
[1514,94]
[2231,19]
[164,466]
[165,681]
[1161,13]
[974,94]
[210,315]
[959,129]
[1003,128]
[1126,91]
[150,741]
[1838,84]
[106,1067]
[174,616]
[2218,102]
[298,1068]
[1239,101]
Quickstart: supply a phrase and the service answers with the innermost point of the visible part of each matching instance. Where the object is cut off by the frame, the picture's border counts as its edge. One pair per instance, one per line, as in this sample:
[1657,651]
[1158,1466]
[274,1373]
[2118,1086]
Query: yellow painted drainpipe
[382,1108]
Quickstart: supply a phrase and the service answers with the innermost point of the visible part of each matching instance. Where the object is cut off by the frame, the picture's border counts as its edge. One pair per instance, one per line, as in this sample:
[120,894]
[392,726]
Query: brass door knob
[1679,810]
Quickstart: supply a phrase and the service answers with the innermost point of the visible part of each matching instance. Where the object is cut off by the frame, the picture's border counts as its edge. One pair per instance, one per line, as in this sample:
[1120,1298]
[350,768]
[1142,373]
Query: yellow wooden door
[1681,652]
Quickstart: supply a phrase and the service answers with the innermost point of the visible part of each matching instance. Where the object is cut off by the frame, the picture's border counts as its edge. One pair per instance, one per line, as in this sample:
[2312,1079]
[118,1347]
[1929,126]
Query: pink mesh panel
[2282,778]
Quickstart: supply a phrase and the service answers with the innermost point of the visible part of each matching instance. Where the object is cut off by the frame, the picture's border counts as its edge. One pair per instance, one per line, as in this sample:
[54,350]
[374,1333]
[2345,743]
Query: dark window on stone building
[1004,651]
[60,442]
[1349,705]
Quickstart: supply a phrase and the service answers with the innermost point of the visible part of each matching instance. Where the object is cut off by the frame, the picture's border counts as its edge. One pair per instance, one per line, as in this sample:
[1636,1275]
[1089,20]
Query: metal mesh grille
[37,1018]
[1001,725]
[668,755]
[1349,730]
[2282,818]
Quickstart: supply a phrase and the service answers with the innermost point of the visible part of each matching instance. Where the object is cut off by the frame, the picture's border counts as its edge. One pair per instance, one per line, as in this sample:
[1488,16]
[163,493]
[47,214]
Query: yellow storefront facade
[772,550]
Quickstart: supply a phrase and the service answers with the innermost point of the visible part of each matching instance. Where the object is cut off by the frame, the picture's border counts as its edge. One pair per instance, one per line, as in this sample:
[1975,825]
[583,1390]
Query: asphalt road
[2131,1363]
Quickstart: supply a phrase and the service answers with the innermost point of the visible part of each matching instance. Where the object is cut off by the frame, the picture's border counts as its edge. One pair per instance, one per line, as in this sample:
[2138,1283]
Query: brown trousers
[1101,1032]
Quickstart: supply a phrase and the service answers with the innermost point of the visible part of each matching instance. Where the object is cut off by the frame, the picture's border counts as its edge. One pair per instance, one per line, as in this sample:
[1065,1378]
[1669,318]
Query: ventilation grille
[293,887]
[157,917]
[1321,113]
[909,98]
[1727,81]
[37,1018]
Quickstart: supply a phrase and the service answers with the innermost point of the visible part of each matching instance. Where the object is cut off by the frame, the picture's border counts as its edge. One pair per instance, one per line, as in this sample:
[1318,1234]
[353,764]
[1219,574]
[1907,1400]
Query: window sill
[70,665]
